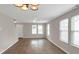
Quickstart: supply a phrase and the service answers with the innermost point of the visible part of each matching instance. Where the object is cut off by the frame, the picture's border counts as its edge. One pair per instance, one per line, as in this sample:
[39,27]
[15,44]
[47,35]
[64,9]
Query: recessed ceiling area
[42,15]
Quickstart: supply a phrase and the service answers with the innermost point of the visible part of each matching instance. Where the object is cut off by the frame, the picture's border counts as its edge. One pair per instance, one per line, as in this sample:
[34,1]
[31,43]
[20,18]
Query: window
[75,30]
[69,33]
[37,29]
[34,29]
[64,30]
[40,29]
[48,29]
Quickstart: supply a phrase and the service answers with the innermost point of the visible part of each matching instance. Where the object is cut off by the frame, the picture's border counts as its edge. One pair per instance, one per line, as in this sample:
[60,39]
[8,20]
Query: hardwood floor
[33,46]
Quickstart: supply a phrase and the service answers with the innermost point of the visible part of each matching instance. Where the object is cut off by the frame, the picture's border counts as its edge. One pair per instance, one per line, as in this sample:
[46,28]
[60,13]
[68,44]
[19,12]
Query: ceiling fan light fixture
[34,8]
[24,7]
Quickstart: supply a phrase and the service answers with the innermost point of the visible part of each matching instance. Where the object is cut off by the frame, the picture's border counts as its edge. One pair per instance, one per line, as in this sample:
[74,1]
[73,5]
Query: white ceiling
[44,13]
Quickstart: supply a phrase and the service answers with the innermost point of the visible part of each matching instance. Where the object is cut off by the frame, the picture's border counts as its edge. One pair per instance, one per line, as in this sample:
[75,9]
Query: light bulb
[24,7]
[34,8]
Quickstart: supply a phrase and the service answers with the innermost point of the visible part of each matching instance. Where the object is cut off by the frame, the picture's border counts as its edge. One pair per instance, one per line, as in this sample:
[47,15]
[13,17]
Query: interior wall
[19,30]
[54,32]
[7,32]
[27,31]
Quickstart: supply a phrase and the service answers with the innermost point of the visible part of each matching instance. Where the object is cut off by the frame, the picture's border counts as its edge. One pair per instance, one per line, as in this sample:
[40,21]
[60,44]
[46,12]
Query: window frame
[41,29]
[70,32]
[48,29]
[32,29]
[73,31]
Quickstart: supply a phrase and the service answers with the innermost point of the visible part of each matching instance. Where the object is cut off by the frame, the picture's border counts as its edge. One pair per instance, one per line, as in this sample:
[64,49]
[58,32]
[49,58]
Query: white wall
[27,31]
[54,32]
[19,30]
[7,32]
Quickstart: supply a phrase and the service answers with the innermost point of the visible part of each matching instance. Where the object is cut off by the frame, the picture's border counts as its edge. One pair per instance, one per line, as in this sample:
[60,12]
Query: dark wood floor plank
[33,46]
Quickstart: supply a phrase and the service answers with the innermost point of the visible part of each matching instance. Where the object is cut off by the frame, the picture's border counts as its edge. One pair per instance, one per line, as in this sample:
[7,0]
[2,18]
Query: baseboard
[59,47]
[9,46]
[31,38]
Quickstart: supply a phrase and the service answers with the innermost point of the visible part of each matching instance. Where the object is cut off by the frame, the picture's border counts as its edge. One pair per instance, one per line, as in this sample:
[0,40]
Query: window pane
[64,30]
[40,29]
[75,38]
[75,23]
[48,29]
[64,36]
[64,24]
[34,29]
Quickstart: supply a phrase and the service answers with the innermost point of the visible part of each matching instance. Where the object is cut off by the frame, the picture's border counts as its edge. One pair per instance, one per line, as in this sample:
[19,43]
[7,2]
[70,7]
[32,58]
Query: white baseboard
[59,47]
[9,46]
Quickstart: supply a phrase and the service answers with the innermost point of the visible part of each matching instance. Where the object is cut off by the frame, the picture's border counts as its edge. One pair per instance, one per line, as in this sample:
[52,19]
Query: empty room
[39,29]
